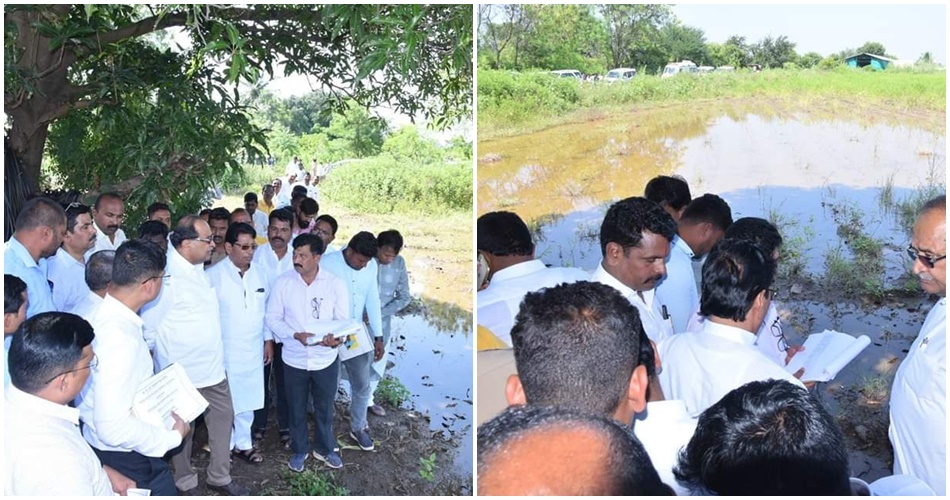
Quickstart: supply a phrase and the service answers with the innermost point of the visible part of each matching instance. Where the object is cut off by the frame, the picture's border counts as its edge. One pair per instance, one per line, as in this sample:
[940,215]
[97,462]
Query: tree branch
[143,27]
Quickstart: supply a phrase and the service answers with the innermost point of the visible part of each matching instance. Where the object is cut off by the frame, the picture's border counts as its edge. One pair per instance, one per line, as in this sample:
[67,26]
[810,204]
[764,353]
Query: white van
[684,66]
[568,73]
[620,74]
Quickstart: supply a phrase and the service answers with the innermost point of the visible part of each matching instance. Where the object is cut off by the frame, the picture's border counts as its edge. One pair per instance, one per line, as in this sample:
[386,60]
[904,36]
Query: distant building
[866,59]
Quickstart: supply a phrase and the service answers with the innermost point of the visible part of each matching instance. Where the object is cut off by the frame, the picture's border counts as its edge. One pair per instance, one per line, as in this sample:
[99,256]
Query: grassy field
[438,249]
[513,103]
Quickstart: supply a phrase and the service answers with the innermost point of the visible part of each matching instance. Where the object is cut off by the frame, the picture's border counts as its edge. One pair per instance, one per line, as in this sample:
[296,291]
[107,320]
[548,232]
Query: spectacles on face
[159,277]
[320,232]
[93,363]
[927,260]
[209,240]
[252,246]
[770,293]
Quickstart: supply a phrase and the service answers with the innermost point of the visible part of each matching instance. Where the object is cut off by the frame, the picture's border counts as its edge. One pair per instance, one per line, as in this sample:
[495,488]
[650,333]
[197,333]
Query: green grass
[511,103]
[392,391]
[309,483]
[427,467]
[860,271]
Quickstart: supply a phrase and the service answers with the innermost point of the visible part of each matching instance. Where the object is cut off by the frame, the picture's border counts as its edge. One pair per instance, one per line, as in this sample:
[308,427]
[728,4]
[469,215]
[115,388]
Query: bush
[385,185]
[516,97]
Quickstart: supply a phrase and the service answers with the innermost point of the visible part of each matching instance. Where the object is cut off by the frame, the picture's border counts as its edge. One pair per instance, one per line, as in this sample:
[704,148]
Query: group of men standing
[642,342]
[117,310]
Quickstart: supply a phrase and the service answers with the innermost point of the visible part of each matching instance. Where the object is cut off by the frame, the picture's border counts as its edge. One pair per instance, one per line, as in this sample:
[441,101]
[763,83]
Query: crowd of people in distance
[664,370]
[232,297]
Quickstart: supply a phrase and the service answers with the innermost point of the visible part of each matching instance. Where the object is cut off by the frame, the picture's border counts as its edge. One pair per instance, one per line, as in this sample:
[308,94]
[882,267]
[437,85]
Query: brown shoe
[377,410]
[231,489]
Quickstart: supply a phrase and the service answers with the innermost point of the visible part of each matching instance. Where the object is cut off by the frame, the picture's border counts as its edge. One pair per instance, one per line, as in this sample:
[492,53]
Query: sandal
[257,435]
[285,439]
[250,456]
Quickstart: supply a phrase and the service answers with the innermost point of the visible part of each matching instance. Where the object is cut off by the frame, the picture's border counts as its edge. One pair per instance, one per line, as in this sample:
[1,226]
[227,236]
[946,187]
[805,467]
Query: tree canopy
[101,90]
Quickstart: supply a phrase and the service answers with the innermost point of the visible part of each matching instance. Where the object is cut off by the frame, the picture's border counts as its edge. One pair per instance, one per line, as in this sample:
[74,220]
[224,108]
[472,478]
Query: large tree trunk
[28,147]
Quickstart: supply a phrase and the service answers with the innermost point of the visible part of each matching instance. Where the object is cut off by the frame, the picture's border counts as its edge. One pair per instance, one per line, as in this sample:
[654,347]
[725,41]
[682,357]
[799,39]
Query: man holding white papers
[702,367]
[248,346]
[185,324]
[918,429]
[122,441]
[298,303]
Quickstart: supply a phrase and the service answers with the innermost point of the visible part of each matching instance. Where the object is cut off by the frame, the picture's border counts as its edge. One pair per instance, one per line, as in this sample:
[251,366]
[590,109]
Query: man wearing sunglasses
[918,410]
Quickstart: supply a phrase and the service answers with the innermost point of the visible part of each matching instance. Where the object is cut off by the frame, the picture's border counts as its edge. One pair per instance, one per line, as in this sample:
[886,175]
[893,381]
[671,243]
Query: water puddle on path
[829,178]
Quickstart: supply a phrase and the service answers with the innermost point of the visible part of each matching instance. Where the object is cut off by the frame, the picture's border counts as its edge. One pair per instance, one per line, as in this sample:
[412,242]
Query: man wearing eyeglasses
[107,215]
[248,345]
[185,324]
[299,302]
[67,269]
[50,362]
[700,368]
[918,409]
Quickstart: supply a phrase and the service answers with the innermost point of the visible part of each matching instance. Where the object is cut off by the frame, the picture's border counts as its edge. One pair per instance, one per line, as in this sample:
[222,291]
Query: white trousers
[241,432]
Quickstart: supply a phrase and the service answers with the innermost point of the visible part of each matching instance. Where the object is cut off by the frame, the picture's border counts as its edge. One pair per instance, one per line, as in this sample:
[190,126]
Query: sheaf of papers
[825,354]
[167,391]
[339,329]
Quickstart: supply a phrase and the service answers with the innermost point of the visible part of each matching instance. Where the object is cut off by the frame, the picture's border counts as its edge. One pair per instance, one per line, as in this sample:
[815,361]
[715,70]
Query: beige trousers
[219,417]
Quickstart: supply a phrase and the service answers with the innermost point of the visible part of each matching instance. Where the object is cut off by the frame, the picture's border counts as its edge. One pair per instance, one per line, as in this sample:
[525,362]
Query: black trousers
[147,472]
[260,416]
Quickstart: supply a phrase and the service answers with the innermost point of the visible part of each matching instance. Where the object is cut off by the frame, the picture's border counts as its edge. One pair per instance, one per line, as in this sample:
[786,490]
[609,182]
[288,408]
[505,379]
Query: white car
[568,73]
[684,66]
[620,74]
[705,69]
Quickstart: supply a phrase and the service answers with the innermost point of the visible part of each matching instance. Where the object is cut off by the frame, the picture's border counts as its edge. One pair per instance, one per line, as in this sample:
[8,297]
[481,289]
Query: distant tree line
[596,38]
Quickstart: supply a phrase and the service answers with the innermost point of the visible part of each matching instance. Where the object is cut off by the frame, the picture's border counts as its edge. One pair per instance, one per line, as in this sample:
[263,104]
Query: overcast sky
[906,31]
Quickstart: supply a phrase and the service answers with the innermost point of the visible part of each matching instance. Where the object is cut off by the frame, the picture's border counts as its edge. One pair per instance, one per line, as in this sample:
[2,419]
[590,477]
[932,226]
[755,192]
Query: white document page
[825,354]
[167,391]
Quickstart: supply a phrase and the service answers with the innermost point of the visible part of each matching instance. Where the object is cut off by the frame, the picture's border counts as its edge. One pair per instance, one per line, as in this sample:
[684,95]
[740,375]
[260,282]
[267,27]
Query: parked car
[620,74]
[705,69]
[725,69]
[568,73]
[675,68]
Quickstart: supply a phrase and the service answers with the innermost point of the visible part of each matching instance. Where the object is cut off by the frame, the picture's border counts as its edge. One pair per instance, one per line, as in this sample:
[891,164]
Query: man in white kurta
[67,269]
[505,242]
[107,215]
[242,292]
[700,368]
[918,429]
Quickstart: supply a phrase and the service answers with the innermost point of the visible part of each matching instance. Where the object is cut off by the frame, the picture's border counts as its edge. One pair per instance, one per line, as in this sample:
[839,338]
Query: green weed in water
[392,391]
[427,467]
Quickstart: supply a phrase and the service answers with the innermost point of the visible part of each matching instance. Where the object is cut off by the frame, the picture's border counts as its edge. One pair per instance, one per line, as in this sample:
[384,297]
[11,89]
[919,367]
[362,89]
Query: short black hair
[626,221]
[311,240]
[627,464]
[205,211]
[185,230]
[940,202]
[309,206]
[503,234]
[99,269]
[73,211]
[46,346]
[757,230]
[220,213]
[364,243]
[40,212]
[281,214]
[155,207]
[577,345]
[735,272]
[151,228]
[766,438]
[136,261]
[298,191]
[250,196]
[667,190]
[329,220]
[13,288]
[390,238]
[236,230]
[110,196]
[708,208]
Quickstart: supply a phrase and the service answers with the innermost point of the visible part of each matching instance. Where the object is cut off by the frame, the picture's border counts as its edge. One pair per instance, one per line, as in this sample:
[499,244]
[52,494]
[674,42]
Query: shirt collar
[682,245]
[113,304]
[668,411]
[177,263]
[61,253]
[34,404]
[729,333]
[22,253]
[606,278]
[518,270]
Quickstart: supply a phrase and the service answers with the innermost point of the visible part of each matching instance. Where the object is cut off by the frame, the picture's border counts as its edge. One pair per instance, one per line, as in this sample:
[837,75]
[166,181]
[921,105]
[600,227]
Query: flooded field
[842,186]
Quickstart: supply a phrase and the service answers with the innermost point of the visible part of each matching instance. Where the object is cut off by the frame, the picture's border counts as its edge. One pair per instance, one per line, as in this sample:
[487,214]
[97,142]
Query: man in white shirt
[257,216]
[67,268]
[918,409]
[281,193]
[505,242]
[699,368]
[613,376]
[161,212]
[185,324]
[766,438]
[272,260]
[355,265]
[301,301]
[97,275]
[218,220]
[635,240]
[122,441]
[670,192]
[325,227]
[107,215]
[242,292]
[702,225]
[44,452]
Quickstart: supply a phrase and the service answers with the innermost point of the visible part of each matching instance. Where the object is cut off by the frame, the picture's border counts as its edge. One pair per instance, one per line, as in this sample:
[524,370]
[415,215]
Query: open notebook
[825,354]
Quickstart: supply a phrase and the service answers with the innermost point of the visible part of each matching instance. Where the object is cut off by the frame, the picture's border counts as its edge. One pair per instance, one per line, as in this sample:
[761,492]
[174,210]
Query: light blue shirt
[362,285]
[677,291]
[6,359]
[18,262]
